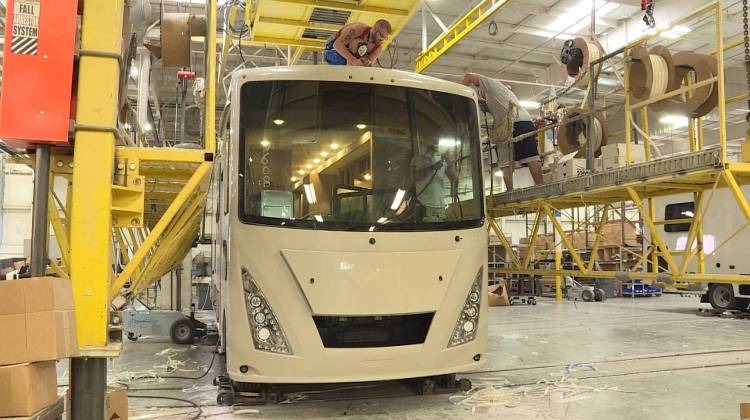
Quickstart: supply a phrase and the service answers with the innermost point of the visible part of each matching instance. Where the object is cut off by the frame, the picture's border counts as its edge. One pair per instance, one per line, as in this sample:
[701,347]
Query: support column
[91,206]
[39,223]
[88,378]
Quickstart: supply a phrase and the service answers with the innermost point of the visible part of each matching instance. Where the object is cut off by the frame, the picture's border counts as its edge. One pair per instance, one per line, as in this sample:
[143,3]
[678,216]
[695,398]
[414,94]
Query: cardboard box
[613,155]
[498,295]
[39,314]
[569,168]
[27,388]
[115,404]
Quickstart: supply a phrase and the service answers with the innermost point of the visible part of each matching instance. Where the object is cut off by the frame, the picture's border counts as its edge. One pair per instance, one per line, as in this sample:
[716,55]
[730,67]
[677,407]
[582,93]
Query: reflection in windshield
[337,155]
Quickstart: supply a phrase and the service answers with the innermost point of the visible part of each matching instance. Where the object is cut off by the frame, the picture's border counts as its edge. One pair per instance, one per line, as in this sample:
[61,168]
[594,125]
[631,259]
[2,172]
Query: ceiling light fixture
[361,126]
[279,121]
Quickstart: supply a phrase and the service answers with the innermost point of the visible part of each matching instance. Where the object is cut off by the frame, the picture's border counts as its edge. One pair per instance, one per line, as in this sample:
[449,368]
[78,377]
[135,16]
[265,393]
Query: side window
[679,211]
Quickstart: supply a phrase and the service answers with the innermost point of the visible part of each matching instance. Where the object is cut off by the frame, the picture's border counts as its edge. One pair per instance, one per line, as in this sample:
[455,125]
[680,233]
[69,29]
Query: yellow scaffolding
[702,181]
[145,203]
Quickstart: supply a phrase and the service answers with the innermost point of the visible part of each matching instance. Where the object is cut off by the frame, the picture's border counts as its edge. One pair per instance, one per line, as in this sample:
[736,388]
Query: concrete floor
[624,359]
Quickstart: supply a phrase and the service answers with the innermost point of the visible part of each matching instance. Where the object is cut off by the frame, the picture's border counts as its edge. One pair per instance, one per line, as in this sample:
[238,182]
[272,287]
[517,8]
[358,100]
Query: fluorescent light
[324,153]
[318,218]
[334,146]
[310,193]
[316,161]
[449,143]
[368,177]
[308,166]
[398,199]
[675,121]
[279,121]
[361,126]
[528,104]
[580,14]
[265,143]
[301,172]
[294,179]
[675,32]
[147,126]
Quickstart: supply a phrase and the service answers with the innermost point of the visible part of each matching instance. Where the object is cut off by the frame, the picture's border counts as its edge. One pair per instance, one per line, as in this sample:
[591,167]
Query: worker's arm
[452,175]
[341,45]
[374,54]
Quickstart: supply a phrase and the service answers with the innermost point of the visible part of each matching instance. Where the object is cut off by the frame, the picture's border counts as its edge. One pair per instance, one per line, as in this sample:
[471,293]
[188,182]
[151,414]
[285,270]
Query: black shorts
[526,150]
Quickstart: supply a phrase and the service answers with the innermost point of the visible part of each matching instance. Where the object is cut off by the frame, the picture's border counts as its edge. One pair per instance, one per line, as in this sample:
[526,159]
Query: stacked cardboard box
[37,318]
[613,155]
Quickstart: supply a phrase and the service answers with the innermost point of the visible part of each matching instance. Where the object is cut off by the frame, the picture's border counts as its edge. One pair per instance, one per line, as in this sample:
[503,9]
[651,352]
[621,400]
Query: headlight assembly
[265,328]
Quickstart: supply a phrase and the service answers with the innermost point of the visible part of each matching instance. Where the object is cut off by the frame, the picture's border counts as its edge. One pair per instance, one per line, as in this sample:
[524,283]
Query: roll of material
[652,73]
[697,102]
[590,50]
[572,135]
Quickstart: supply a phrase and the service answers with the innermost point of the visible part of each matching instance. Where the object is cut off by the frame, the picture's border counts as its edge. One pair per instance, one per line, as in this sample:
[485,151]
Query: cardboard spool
[568,133]
[643,74]
[580,64]
[176,32]
[697,102]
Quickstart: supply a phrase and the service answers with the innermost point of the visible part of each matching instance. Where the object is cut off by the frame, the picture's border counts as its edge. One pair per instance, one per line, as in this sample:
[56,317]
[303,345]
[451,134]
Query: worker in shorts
[357,44]
[503,105]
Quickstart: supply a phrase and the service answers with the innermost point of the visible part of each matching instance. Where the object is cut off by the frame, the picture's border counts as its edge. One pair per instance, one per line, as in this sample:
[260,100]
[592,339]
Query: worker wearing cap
[504,107]
[357,44]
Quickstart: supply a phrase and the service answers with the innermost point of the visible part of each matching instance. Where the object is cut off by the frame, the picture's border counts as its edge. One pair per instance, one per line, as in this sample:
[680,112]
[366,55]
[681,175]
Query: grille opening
[311,33]
[373,331]
[335,17]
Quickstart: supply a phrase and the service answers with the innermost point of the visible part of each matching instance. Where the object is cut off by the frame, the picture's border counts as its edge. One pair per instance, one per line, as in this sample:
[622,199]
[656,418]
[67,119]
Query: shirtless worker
[503,105]
[357,44]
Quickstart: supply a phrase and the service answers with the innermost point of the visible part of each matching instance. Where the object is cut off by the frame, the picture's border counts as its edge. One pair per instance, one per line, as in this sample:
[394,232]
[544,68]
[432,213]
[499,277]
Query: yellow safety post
[94,154]
[628,109]
[720,80]
[558,277]
[647,136]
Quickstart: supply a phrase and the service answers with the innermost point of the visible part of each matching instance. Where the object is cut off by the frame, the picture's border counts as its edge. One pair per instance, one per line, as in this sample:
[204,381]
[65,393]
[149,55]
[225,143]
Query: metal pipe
[590,132]
[39,221]
[88,384]
[178,288]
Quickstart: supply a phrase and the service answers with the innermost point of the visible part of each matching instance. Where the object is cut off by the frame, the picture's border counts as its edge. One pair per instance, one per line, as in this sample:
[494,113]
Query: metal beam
[299,23]
[457,32]
[265,40]
[349,7]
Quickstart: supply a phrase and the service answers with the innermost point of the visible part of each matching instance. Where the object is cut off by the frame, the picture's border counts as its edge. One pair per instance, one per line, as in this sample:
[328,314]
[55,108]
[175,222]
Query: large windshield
[357,156]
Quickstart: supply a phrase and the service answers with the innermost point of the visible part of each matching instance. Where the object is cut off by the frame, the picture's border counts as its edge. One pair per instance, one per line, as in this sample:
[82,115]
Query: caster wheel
[182,331]
[464,384]
[533,302]
[426,387]
[225,399]
[132,336]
